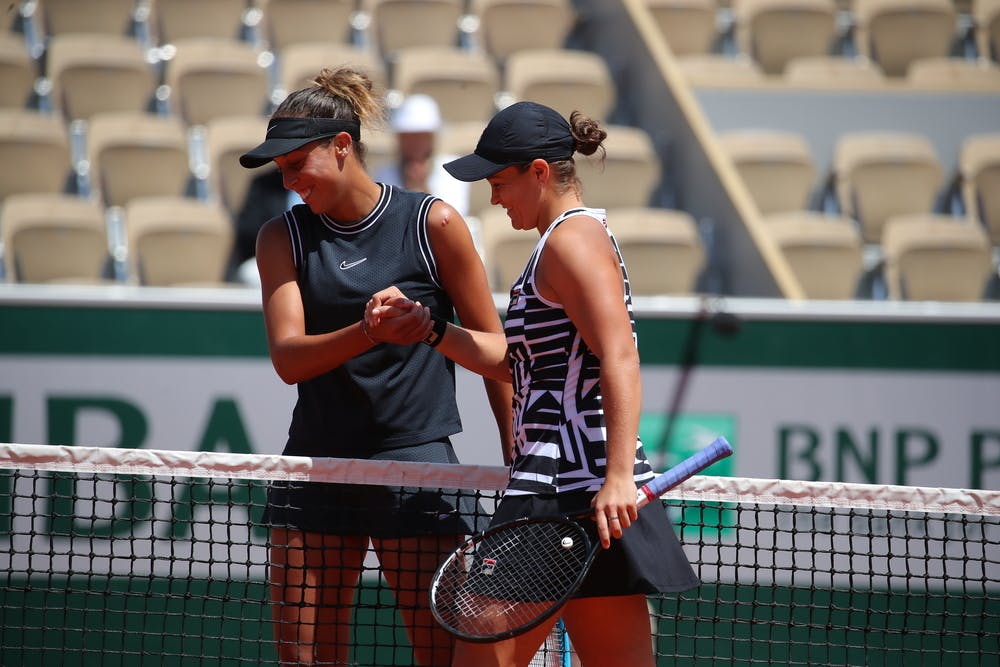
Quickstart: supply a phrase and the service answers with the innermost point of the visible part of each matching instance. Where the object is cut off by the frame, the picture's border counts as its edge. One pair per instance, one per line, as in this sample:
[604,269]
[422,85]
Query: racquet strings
[510,578]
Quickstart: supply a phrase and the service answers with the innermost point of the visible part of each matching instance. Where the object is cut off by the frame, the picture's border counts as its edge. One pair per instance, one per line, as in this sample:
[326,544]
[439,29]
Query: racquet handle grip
[692,465]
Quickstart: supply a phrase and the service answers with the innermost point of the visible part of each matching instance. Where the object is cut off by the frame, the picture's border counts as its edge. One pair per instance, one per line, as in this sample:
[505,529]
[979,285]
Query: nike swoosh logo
[348,265]
[271,128]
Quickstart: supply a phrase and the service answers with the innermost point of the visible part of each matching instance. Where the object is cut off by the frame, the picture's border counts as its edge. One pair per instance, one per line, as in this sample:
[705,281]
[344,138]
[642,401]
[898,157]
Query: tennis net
[151,557]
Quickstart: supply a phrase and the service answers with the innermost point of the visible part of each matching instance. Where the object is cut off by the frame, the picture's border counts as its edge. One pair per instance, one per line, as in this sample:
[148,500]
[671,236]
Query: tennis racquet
[511,577]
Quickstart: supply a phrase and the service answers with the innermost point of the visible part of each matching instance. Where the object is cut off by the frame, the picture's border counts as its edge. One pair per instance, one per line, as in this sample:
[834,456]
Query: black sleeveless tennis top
[392,395]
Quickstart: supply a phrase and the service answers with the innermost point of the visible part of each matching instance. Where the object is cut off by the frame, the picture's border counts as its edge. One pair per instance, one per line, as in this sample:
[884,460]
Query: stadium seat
[712,70]
[459,139]
[53,238]
[137,155]
[979,164]
[209,78]
[777,167]
[171,21]
[108,17]
[894,33]
[299,63]
[881,175]
[772,32]
[661,247]
[287,22]
[35,152]
[95,73]
[954,74]
[628,174]
[17,72]
[824,252]
[506,26]
[688,26]
[226,139]
[986,18]
[178,241]
[564,79]
[505,250]
[936,258]
[381,147]
[463,83]
[405,24]
[838,72]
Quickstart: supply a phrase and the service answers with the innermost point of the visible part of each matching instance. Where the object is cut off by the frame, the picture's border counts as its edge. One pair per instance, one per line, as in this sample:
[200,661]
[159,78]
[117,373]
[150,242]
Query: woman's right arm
[295,355]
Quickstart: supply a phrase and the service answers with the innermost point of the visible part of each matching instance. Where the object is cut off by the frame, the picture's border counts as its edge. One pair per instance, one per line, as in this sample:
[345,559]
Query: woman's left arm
[579,269]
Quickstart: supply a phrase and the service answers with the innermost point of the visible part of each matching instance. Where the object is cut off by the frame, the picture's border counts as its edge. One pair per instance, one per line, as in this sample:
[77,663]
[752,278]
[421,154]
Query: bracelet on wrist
[437,331]
[364,330]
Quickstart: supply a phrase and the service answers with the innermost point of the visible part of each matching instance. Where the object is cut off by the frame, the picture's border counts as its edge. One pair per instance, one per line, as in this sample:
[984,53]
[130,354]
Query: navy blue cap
[522,132]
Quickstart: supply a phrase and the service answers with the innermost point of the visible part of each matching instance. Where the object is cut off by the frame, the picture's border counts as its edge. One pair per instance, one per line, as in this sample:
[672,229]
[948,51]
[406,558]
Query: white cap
[417,113]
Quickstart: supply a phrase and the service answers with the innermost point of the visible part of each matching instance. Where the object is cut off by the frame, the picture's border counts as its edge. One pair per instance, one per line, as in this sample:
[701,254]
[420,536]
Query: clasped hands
[390,317]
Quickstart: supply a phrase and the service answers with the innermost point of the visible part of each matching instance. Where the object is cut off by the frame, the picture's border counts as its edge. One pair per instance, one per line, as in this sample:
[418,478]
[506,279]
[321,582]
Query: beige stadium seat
[53,238]
[137,155]
[405,24]
[662,249]
[954,74]
[209,78]
[507,26]
[299,63]
[505,250]
[175,20]
[837,72]
[17,72]
[772,32]
[824,252]
[35,152]
[458,139]
[463,83]
[564,79]
[688,26]
[777,167]
[287,22]
[881,175]
[979,164]
[986,17]
[95,73]
[936,258]
[226,139]
[109,17]
[713,70]
[629,174]
[894,33]
[178,241]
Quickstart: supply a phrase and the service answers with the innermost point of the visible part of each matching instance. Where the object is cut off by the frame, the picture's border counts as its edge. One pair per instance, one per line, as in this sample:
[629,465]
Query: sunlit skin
[314,576]
[580,271]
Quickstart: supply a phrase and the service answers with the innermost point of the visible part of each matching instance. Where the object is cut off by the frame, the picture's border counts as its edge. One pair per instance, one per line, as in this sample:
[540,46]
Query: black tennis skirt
[369,510]
[648,558]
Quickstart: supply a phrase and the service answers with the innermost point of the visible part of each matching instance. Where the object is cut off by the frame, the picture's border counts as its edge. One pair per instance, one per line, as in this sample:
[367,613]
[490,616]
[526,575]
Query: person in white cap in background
[416,123]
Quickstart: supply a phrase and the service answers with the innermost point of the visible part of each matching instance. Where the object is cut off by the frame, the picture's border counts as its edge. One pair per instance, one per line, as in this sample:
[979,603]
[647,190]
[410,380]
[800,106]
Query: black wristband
[437,332]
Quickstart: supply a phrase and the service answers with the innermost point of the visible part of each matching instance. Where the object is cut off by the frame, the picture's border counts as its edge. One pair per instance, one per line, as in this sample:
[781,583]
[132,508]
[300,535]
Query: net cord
[702,488]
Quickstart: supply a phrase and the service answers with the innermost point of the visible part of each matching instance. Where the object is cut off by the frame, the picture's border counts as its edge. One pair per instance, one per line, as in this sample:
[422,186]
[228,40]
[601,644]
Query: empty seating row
[62,238]
[205,78]
[882,224]
[771,33]
[874,176]
[496,27]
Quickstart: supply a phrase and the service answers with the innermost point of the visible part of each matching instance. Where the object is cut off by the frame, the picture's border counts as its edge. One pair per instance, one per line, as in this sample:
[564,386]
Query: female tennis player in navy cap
[569,350]
[319,263]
